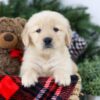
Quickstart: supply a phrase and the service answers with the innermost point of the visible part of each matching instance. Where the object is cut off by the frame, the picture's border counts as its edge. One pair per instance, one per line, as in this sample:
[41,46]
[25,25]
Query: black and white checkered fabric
[77,47]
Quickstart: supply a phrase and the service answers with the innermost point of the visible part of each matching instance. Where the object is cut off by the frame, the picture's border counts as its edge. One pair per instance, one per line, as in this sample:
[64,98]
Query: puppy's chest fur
[47,64]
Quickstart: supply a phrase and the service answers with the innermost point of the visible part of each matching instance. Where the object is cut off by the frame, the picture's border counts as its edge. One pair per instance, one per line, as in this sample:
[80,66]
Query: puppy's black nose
[47,40]
[8,37]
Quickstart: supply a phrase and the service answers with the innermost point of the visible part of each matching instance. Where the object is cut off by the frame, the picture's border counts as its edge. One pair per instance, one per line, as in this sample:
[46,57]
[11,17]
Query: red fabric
[8,87]
[46,89]
[14,53]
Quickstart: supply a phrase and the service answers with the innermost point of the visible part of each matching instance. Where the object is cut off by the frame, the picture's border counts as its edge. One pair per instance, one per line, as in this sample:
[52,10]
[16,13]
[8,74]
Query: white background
[93,5]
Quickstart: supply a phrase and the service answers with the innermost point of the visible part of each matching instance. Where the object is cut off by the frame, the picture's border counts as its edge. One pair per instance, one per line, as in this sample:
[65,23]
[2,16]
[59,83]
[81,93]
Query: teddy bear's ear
[4,20]
[20,20]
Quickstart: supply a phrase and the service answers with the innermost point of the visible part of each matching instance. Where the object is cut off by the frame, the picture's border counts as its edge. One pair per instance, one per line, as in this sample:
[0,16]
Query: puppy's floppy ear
[68,35]
[25,36]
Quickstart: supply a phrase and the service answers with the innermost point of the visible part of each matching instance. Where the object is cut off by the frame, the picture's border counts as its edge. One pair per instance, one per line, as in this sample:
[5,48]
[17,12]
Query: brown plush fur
[10,38]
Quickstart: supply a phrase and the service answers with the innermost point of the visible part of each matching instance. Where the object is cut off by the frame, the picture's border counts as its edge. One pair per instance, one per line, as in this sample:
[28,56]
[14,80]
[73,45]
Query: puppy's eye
[55,29]
[38,30]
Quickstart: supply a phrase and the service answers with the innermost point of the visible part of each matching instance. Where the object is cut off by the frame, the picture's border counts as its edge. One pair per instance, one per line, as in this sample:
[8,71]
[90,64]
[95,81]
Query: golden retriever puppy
[45,37]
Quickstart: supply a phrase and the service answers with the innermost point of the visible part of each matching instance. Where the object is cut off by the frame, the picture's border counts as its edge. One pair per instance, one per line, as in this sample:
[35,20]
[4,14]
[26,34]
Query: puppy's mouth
[48,46]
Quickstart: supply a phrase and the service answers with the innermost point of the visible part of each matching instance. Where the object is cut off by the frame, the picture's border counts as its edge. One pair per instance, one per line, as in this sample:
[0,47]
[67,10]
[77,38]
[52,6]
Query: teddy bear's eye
[38,30]
[55,29]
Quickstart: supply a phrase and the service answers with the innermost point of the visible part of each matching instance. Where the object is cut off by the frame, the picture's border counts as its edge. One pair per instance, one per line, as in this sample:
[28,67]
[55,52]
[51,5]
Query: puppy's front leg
[62,74]
[62,78]
[29,76]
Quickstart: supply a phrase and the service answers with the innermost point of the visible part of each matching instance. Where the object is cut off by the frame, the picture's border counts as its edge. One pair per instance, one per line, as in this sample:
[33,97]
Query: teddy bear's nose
[8,37]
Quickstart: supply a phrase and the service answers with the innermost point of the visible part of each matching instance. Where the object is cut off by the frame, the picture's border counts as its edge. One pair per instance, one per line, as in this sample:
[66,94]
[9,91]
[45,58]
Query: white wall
[93,5]
[5,1]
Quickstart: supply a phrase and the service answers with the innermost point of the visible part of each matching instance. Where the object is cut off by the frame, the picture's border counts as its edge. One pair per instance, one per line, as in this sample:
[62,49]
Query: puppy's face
[47,31]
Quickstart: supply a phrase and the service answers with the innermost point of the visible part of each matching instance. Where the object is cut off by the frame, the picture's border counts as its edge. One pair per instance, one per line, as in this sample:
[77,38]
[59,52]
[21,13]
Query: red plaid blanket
[45,89]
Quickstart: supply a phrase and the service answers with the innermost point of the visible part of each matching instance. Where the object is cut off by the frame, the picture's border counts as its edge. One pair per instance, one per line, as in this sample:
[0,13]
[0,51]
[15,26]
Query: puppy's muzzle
[47,42]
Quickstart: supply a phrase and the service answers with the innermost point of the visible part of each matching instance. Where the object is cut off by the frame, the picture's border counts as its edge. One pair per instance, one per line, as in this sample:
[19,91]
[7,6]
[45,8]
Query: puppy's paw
[28,81]
[62,79]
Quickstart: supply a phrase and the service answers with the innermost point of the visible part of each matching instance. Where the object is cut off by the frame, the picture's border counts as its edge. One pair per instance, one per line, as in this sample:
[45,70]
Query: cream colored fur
[38,61]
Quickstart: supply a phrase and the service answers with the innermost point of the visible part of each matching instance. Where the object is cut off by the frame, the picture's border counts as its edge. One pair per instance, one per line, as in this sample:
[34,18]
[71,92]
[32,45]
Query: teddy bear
[11,46]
